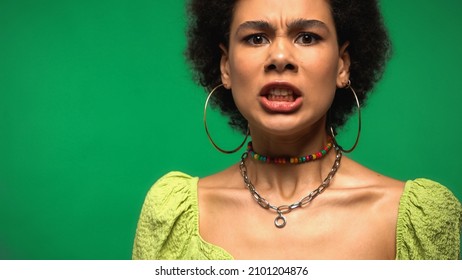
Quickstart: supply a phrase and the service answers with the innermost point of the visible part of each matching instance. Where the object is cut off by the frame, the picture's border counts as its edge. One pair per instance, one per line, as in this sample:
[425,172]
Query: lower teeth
[287,98]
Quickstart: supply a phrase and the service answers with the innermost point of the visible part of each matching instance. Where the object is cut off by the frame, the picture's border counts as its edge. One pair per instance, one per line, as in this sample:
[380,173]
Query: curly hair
[357,21]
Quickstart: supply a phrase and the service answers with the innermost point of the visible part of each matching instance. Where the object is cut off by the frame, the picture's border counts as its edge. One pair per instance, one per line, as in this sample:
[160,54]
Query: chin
[286,126]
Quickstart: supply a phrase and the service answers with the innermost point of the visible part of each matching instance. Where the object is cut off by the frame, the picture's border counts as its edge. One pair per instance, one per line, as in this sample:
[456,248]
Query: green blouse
[429,222]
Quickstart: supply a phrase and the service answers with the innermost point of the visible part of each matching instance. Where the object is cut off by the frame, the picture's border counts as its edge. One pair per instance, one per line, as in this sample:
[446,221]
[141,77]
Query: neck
[285,183]
[289,144]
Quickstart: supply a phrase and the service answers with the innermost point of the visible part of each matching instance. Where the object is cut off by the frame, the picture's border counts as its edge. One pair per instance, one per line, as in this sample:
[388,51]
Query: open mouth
[281,94]
[280,98]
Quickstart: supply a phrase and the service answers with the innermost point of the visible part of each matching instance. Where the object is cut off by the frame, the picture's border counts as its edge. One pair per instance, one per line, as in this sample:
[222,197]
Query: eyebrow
[306,24]
[255,24]
[296,24]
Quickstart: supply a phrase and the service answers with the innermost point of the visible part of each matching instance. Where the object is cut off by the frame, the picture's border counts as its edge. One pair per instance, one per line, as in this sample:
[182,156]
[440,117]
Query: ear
[224,67]
[343,66]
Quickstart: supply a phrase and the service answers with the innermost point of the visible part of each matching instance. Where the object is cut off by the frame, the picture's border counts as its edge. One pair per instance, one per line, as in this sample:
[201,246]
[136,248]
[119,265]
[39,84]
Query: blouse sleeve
[167,205]
[429,222]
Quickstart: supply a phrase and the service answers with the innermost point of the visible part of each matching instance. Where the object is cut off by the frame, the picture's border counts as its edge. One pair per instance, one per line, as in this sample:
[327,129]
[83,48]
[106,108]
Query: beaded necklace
[291,160]
[280,221]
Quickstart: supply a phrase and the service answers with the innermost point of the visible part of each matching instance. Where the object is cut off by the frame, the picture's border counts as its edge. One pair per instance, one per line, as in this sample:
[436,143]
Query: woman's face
[283,64]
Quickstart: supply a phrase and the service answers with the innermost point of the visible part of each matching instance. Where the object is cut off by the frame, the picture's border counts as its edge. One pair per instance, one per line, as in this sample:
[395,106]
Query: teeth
[281,94]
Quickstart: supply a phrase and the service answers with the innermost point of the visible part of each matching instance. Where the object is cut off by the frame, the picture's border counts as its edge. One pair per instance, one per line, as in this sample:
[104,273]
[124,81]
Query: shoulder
[172,186]
[429,222]
[429,199]
[168,217]
[170,196]
[429,193]
[355,176]
[170,192]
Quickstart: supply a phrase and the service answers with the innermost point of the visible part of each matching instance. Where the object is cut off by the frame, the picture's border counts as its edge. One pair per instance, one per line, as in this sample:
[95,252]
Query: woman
[288,74]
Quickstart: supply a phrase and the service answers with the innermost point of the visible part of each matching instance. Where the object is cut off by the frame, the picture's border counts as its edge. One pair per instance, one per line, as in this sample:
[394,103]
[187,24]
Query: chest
[325,230]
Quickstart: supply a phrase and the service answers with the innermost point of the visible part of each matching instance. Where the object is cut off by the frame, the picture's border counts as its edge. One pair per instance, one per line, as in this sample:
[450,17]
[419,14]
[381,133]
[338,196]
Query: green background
[96,103]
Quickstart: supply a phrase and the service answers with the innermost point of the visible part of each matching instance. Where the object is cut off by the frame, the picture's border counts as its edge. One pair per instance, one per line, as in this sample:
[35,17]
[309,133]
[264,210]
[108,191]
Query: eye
[256,39]
[307,39]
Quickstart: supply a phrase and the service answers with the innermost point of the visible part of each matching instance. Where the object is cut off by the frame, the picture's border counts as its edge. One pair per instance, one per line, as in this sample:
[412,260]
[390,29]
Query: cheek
[320,71]
[323,65]
[243,75]
[244,68]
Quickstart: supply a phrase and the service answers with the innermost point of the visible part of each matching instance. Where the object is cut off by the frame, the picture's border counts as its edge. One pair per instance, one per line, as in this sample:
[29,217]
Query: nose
[280,57]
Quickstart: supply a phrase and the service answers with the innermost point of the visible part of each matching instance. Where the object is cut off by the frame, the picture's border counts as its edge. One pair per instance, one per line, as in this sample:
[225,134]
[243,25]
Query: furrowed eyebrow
[306,24]
[297,24]
[255,25]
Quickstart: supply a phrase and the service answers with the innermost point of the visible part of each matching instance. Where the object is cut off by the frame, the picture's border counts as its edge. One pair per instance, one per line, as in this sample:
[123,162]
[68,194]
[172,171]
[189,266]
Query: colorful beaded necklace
[290,160]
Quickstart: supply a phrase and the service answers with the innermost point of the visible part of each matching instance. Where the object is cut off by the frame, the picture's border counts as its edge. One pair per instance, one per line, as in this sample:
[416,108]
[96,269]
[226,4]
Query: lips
[280,98]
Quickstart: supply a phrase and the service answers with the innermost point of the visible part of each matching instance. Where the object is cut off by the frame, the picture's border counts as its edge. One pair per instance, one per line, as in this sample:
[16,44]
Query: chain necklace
[280,221]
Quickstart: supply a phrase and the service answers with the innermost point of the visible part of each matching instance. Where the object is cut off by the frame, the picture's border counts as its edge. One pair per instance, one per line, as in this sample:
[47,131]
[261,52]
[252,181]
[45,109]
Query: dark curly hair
[357,21]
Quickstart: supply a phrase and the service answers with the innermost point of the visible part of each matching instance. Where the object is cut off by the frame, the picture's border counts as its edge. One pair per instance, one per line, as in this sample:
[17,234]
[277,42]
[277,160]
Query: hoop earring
[348,86]
[207,130]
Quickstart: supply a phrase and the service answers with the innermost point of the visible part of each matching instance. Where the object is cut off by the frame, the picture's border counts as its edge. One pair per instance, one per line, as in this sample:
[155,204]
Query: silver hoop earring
[207,130]
[348,86]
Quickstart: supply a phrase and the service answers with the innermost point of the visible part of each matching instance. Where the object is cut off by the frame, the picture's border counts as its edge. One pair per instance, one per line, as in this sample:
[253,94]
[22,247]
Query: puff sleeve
[168,227]
[429,222]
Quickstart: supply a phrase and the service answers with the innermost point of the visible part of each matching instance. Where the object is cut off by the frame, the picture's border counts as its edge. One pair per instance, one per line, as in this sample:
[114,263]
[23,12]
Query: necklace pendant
[280,221]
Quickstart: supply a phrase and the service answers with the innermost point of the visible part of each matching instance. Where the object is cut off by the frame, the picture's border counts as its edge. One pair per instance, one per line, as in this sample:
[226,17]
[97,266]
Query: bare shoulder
[225,179]
[221,189]
[369,201]
[356,175]
[222,197]
[360,187]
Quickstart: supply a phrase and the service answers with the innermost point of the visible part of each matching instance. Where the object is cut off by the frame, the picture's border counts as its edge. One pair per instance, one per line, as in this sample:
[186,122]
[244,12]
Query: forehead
[281,11]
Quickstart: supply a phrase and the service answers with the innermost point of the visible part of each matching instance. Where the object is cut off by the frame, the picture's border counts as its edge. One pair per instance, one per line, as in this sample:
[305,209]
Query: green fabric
[429,222]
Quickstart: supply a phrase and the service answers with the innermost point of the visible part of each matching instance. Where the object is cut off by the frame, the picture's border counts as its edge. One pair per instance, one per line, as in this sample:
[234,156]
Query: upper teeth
[281,91]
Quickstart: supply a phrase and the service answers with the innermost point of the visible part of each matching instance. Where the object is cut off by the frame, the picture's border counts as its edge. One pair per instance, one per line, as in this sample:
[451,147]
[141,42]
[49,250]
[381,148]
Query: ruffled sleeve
[164,226]
[429,222]
[168,227]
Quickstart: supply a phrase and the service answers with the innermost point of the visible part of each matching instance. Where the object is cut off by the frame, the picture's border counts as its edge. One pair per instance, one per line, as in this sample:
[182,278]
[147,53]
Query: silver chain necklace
[280,221]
